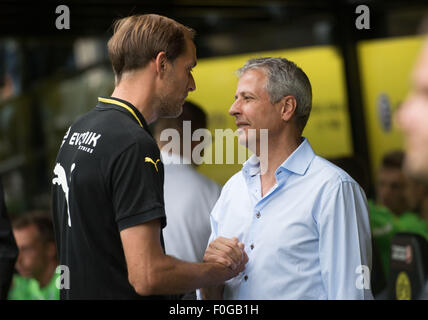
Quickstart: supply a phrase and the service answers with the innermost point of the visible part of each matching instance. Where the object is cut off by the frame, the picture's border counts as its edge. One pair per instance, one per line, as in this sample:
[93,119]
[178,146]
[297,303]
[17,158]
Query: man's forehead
[191,51]
[29,230]
[254,77]
[252,80]
[390,172]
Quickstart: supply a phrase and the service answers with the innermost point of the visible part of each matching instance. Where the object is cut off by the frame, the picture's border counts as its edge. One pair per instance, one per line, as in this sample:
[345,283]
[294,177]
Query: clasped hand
[228,252]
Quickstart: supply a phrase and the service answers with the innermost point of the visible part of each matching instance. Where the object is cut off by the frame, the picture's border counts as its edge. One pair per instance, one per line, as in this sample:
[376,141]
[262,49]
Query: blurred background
[48,77]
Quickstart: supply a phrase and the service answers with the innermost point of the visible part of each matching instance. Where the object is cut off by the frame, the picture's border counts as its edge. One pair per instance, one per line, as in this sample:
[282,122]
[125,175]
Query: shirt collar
[298,162]
[124,106]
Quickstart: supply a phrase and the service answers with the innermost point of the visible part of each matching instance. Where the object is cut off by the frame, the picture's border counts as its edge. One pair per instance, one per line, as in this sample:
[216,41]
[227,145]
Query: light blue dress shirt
[308,238]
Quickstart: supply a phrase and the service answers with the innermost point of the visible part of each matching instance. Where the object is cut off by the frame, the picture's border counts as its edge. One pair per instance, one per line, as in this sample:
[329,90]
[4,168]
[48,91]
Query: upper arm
[142,247]
[345,241]
[137,186]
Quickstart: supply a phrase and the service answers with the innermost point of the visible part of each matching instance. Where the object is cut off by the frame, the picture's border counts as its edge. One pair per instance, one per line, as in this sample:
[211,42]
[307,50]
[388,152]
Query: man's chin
[24,274]
[172,113]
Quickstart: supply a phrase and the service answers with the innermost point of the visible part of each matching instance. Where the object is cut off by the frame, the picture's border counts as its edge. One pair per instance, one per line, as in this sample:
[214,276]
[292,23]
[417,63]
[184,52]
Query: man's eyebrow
[242,93]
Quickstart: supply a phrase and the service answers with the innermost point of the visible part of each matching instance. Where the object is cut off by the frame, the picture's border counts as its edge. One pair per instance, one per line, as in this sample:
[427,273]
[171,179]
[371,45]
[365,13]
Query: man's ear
[288,107]
[161,63]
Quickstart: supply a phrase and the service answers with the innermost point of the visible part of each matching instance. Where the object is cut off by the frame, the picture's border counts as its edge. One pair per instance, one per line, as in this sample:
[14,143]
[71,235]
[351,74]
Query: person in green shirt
[393,211]
[37,259]
[385,225]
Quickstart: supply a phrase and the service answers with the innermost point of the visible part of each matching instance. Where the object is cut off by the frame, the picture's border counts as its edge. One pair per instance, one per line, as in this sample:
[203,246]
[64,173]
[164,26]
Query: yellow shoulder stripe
[121,105]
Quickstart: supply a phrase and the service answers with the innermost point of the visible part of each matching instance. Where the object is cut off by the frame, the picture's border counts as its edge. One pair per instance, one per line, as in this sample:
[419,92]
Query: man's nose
[192,84]
[234,109]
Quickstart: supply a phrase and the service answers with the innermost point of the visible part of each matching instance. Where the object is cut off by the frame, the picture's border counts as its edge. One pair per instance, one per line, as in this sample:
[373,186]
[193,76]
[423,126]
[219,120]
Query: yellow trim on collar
[121,104]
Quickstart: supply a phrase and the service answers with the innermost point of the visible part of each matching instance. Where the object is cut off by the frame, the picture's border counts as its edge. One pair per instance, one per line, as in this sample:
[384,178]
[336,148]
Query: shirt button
[252,246]
[258,215]
[246,278]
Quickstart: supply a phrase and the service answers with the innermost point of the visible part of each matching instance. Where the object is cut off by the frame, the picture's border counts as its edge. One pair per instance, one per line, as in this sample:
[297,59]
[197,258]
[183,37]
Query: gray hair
[284,78]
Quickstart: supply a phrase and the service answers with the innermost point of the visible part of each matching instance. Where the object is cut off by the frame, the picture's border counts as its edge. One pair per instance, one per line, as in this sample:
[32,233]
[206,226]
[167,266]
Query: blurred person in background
[417,197]
[8,249]
[37,259]
[391,183]
[392,212]
[412,117]
[187,206]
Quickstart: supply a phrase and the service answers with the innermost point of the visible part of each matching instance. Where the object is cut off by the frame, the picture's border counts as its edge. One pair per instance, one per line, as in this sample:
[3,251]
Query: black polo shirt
[8,249]
[108,177]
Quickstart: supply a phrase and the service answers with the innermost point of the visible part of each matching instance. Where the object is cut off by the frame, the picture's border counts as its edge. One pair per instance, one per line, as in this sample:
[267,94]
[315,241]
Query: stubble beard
[169,108]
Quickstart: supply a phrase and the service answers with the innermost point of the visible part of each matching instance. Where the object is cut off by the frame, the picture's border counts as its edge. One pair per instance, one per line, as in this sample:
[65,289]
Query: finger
[222,251]
[217,259]
[244,258]
[219,250]
[230,247]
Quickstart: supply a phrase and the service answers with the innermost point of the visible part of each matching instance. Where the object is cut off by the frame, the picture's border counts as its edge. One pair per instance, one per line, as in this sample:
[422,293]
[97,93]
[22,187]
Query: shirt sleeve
[8,249]
[137,186]
[345,243]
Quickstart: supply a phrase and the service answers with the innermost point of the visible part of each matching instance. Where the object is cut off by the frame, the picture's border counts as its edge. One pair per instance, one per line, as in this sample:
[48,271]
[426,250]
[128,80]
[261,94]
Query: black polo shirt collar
[123,106]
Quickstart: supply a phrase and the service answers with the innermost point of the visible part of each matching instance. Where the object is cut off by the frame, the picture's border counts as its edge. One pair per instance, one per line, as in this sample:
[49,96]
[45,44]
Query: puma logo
[61,180]
[147,159]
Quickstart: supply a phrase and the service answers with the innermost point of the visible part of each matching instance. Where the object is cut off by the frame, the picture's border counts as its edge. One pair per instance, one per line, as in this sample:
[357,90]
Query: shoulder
[329,173]
[234,186]
[113,129]
[236,181]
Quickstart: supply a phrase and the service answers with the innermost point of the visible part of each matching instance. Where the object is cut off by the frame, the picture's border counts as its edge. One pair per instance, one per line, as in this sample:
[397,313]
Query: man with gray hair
[304,222]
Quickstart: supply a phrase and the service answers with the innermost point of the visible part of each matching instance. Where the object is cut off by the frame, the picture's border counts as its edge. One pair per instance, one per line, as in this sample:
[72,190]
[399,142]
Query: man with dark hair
[187,209]
[391,183]
[108,203]
[392,211]
[8,249]
[37,260]
[304,221]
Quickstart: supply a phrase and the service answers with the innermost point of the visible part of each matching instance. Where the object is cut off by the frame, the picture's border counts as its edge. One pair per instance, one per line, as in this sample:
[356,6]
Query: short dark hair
[41,220]
[393,160]
[139,38]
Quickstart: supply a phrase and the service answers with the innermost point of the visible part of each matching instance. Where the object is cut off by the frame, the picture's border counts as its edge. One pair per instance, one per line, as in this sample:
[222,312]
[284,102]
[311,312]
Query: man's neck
[137,89]
[47,274]
[278,151]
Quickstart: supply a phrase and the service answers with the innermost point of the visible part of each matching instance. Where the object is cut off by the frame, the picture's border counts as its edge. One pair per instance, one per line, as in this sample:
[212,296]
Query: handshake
[228,252]
[231,256]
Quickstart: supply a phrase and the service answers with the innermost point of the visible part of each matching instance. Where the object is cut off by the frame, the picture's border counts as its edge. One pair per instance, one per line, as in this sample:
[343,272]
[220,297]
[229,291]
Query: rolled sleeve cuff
[146,216]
